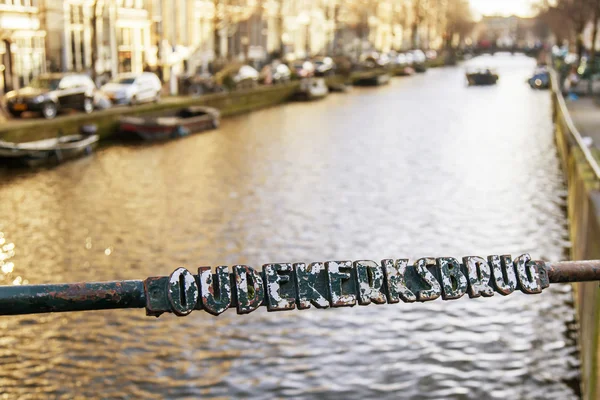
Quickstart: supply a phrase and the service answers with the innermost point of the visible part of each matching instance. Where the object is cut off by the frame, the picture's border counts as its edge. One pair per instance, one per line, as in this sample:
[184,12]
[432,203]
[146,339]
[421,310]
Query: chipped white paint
[396,281]
[527,275]
[369,276]
[215,296]
[306,278]
[434,290]
[338,272]
[342,283]
[454,282]
[478,276]
[246,278]
[184,302]
[277,274]
[503,272]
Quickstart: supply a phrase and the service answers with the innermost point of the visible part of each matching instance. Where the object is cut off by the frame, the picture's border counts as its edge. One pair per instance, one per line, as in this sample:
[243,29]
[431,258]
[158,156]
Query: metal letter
[338,280]
[454,282]
[478,276]
[434,290]
[503,273]
[396,281]
[281,292]
[215,296]
[369,278]
[311,281]
[182,292]
[527,275]
[250,289]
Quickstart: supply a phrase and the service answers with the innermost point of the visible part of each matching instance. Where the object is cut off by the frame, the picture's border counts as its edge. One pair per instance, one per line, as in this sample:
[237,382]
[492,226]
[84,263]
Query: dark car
[302,69]
[49,93]
[324,66]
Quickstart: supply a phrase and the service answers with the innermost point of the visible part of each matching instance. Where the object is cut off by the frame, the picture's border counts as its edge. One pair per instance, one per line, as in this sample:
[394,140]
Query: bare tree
[568,18]
[459,21]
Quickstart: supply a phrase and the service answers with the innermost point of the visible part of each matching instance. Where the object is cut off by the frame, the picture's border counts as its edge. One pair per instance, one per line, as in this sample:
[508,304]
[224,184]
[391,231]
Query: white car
[133,88]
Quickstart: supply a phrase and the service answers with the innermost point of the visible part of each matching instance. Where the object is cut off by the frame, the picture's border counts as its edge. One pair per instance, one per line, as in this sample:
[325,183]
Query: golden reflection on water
[7,267]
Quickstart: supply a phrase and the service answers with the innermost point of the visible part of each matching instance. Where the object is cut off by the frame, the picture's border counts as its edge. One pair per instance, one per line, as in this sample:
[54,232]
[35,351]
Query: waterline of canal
[422,167]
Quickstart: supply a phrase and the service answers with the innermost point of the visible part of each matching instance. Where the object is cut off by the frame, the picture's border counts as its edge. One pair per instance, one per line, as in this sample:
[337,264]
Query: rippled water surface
[422,167]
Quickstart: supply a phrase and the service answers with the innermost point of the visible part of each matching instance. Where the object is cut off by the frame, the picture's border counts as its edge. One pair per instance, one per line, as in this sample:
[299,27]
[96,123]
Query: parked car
[324,66]
[303,69]
[133,88]
[373,60]
[279,73]
[431,54]
[237,76]
[403,65]
[101,101]
[420,60]
[49,93]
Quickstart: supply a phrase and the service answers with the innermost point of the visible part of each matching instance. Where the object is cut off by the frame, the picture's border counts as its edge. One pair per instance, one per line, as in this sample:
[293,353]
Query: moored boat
[481,77]
[48,151]
[313,88]
[372,78]
[171,125]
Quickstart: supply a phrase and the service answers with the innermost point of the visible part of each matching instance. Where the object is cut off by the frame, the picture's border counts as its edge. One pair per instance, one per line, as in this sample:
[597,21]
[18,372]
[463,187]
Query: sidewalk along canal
[585,113]
[107,121]
[583,208]
[229,104]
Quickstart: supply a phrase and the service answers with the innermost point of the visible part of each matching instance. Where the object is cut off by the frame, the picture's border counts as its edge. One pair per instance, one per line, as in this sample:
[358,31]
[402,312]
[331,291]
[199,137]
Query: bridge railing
[582,176]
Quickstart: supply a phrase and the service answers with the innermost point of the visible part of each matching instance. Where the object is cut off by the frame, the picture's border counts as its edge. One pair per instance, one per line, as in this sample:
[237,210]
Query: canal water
[425,166]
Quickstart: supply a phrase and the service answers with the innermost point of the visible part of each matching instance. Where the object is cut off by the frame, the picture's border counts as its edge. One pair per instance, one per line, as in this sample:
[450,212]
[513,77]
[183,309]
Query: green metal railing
[288,286]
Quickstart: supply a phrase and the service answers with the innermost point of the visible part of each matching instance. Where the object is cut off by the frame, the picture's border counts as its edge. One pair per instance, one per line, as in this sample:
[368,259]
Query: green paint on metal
[250,289]
[453,281]
[215,290]
[311,282]
[283,286]
[527,276]
[281,291]
[503,273]
[478,277]
[433,290]
[395,277]
[369,279]
[182,292]
[342,283]
[29,299]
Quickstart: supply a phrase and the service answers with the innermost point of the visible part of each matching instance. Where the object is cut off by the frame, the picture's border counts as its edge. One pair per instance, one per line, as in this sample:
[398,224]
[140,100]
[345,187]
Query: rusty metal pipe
[180,293]
[31,299]
[573,271]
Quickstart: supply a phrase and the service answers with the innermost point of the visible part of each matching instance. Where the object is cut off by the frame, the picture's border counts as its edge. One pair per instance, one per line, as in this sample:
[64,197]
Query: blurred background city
[138,136]
[173,38]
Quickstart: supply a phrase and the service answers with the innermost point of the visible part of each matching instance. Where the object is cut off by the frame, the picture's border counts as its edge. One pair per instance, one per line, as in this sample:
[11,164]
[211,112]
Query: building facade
[22,43]
[101,37]
[174,37]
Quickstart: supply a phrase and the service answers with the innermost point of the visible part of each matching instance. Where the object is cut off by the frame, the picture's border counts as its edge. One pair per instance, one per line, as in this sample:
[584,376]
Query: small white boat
[48,151]
[313,88]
